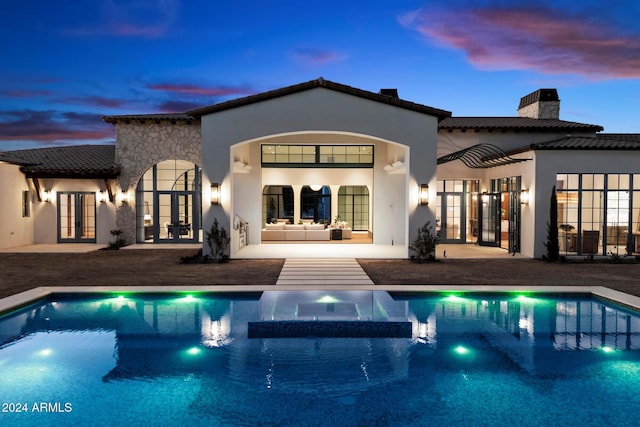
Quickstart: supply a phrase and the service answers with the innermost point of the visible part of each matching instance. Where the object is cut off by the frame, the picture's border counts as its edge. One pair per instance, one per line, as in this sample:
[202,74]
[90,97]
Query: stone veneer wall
[541,110]
[142,144]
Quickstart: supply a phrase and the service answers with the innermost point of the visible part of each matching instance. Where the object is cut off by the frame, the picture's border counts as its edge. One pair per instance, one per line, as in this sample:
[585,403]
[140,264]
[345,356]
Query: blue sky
[67,63]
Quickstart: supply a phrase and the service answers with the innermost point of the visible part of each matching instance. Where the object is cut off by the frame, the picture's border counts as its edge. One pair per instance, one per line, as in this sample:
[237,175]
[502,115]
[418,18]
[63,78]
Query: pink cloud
[538,39]
[96,101]
[25,93]
[52,127]
[191,89]
[317,56]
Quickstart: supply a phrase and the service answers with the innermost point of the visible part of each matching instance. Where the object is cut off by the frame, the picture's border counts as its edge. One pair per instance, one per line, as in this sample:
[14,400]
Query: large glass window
[276,155]
[316,205]
[598,213]
[353,206]
[277,203]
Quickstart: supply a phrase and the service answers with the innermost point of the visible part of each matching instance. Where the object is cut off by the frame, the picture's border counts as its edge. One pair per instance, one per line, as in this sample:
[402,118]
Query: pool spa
[318,358]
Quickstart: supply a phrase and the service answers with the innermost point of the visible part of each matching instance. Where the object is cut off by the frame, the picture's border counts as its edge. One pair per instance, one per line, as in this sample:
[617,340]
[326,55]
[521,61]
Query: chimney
[389,92]
[541,104]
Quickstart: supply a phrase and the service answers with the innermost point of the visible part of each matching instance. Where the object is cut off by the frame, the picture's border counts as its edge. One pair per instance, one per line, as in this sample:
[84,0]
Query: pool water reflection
[478,359]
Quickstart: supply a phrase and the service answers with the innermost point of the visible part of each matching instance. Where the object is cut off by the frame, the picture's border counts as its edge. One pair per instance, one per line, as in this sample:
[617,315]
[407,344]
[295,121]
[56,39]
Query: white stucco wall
[397,133]
[46,213]
[15,230]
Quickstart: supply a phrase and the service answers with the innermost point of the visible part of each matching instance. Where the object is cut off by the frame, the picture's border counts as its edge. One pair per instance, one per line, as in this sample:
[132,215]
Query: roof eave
[319,83]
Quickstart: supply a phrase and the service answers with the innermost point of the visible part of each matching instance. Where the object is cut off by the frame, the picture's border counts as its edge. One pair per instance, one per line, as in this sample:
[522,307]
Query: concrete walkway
[318,271]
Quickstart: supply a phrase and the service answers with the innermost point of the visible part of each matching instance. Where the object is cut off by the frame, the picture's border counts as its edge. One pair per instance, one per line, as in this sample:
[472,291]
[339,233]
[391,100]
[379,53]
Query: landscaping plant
[553,244]
[218,241]
[424,245]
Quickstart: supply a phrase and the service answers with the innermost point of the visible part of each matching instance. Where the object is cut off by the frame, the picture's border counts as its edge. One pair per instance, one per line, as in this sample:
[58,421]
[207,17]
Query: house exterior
[372,165]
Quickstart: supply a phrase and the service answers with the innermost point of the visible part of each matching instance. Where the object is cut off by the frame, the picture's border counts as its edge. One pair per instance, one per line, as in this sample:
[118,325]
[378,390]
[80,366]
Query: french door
[176,216]
[452,227]
[76,217]
[489,219]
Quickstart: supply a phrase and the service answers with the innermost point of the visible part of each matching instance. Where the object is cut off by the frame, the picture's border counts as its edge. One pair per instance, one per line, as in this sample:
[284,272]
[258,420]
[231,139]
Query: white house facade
[321,163]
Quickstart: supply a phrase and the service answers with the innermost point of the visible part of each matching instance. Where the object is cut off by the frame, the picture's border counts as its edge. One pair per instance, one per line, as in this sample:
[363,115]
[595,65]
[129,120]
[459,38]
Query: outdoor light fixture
[524,197]
[215,193]
[101,196]
[424,194]
[125,197]
[46,196]
[316,187]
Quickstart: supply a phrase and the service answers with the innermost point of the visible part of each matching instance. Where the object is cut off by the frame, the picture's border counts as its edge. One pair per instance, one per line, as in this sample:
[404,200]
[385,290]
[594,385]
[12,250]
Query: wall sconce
[424,194]
[46,196]
[524,197]
[215,193]
[101,196]
[125,197]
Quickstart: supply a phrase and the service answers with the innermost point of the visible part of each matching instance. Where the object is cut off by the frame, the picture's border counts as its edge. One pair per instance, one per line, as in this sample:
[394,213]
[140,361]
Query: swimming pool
[476,359]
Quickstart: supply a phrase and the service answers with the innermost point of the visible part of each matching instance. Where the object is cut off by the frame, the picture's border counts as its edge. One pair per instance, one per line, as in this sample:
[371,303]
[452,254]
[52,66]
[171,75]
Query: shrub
[218,241]
[119,241]
[424,245]
[553,243]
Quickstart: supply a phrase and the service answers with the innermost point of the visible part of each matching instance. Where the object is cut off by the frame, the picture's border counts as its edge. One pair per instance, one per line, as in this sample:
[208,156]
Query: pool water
[480,360]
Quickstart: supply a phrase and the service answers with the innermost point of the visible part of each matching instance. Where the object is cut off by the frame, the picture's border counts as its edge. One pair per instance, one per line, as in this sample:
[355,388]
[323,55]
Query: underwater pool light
[328,299]
[461,350]
[607,349]
[524,298]
[455,298]
[194,351]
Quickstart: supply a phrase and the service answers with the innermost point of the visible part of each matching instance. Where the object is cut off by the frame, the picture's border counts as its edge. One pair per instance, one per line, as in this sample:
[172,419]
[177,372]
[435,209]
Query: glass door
[451,218]
[175,216]
[505,208]
[489,218]
[76,217]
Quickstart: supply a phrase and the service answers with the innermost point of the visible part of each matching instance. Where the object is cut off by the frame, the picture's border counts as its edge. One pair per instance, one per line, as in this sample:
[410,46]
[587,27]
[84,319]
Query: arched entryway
[170,208]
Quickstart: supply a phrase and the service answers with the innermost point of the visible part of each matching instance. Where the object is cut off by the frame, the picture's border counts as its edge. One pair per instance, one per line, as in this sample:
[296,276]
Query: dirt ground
[23,271]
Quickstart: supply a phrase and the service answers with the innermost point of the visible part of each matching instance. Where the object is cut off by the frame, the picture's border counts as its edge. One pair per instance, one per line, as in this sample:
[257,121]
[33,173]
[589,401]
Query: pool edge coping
[22,299]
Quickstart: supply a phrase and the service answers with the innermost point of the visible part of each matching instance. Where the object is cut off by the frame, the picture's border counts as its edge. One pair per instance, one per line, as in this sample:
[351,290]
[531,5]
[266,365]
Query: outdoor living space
[318,188]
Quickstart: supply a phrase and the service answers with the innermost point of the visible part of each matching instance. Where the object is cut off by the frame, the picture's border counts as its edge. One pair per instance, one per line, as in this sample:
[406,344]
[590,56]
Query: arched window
[316,205]
[277,203]
[169,203]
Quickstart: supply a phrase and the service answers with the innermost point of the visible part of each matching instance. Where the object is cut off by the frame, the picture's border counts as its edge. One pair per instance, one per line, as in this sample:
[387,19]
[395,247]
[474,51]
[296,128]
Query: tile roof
[514,124]
[77,161]
[596,142]
[170,117]
[377,97]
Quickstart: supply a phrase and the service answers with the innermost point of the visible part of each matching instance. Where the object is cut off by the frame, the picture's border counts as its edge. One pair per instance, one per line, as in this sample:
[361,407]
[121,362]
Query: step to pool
[322,271]
[330,314]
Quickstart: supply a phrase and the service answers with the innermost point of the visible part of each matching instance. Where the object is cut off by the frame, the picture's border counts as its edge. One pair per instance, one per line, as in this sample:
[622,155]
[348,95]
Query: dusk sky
[65,64]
